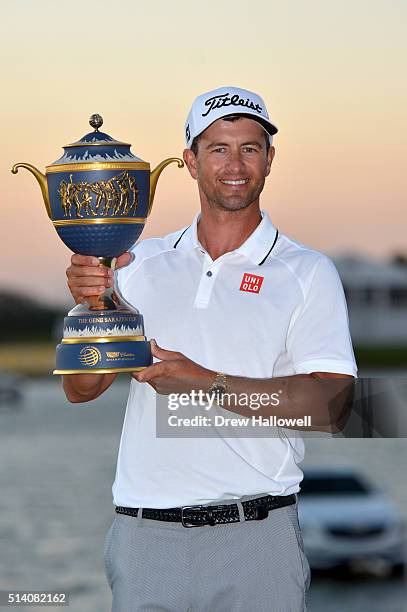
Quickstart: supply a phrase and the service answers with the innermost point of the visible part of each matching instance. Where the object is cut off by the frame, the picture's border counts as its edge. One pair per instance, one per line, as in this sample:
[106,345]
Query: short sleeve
[318,339]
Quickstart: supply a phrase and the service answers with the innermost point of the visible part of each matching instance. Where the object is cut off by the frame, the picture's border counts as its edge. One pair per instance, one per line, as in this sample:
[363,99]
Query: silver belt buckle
[184,521]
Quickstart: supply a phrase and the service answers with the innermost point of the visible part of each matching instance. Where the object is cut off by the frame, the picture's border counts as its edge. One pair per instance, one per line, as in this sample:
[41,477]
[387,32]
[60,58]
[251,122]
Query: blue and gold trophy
[98,196]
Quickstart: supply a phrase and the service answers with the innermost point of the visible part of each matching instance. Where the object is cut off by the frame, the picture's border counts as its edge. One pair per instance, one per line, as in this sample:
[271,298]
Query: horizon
[20,292]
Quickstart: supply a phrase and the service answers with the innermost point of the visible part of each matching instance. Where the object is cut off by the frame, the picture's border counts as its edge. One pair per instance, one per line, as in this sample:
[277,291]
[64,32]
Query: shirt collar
[256,247]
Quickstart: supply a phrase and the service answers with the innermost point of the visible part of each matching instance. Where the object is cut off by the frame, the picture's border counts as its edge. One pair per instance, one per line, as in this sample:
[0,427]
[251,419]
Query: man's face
[231,163]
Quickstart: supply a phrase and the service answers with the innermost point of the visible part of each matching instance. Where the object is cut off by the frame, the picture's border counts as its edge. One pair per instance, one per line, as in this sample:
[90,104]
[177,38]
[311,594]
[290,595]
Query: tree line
[23,319]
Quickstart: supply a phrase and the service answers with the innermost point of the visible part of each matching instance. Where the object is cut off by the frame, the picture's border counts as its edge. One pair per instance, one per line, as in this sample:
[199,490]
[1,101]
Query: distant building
[377,300]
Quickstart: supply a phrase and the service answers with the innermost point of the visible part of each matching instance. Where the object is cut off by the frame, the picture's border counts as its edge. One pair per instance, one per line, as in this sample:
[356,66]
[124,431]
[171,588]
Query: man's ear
[270,156]
[190,161]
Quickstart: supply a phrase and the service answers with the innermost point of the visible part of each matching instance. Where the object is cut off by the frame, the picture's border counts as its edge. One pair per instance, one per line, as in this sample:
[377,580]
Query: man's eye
[249,150]
[219,150]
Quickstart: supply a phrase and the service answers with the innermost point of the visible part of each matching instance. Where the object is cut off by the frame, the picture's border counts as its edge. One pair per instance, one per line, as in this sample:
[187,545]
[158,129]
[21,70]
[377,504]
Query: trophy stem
[108,300]
[106,261]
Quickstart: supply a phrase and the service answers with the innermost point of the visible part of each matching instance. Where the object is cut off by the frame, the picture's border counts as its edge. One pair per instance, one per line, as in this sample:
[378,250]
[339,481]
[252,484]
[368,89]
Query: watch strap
[218,386]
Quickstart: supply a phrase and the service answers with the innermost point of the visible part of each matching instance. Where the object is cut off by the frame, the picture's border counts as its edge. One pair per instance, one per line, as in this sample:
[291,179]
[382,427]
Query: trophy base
[103,342]
[102,355]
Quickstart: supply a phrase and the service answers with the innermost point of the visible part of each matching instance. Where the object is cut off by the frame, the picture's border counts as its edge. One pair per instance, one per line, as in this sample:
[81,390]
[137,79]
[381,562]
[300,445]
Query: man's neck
[220,232]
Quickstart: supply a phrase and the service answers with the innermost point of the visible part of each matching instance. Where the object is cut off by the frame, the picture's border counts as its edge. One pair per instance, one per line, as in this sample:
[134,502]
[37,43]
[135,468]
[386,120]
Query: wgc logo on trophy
[98,196]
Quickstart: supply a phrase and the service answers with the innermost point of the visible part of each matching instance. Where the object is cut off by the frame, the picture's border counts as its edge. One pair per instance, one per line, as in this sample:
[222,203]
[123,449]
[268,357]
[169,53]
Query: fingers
[91,265]
[123,260]
[84,281]
[99,280]
[84,276]
[84,260]
[87,277]
[87,294]
[149,373]
[163,354]
[89,260]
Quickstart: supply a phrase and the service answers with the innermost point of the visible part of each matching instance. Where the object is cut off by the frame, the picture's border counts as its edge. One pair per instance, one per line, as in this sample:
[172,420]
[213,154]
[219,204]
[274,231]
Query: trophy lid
[96,147]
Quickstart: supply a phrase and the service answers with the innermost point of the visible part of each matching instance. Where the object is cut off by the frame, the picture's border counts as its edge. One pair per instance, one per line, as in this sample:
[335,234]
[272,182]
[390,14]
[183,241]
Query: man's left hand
[175,373]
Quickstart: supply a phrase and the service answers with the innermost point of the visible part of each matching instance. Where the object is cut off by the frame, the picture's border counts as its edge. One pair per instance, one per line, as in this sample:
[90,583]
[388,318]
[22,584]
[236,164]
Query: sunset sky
[332,75]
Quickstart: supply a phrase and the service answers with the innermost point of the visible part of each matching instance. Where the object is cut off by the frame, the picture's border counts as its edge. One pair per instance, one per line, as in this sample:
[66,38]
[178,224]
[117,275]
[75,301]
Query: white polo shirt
[270,308]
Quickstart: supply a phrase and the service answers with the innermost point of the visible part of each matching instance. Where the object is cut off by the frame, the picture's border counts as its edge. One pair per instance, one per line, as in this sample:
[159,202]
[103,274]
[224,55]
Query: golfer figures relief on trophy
[98,196]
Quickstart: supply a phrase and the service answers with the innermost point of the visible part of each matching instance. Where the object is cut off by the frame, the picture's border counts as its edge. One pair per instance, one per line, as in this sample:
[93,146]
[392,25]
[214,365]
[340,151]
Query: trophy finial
[96,121]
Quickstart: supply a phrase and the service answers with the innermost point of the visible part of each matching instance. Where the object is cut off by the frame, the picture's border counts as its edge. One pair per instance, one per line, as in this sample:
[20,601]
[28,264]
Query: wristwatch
[218,387]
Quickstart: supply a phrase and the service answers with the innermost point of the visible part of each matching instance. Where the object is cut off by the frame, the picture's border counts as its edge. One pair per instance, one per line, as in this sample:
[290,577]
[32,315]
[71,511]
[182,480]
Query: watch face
[218,391]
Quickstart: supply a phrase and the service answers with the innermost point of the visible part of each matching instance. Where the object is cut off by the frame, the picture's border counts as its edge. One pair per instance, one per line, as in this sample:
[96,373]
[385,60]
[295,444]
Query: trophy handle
[154,174]
[42,181]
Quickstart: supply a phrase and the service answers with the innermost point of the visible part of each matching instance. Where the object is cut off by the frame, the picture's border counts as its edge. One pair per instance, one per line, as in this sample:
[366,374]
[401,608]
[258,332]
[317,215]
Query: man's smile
[235,182]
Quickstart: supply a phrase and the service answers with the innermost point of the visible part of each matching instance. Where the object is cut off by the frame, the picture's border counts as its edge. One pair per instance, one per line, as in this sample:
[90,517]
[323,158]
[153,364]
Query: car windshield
[332,485]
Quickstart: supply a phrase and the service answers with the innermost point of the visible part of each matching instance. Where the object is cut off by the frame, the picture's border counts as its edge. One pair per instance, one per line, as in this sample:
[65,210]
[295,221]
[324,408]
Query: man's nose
[234,162]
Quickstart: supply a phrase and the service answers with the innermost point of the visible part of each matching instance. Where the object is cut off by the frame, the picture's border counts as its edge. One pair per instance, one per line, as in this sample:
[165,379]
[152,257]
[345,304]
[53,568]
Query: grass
[31,359]
[381,356]
[38,358]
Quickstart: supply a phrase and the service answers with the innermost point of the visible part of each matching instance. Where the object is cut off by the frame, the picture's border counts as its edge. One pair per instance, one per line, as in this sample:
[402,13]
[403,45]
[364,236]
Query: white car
[344,520]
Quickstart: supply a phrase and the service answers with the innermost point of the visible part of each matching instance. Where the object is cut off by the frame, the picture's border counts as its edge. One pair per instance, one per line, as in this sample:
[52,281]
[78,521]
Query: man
[234,307]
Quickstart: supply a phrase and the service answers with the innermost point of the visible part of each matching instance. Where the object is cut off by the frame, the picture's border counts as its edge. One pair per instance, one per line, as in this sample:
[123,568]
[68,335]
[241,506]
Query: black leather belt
[198,516]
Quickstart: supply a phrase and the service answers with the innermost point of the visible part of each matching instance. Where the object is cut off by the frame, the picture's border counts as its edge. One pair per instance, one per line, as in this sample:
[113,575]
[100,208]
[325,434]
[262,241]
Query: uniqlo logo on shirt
[251,282]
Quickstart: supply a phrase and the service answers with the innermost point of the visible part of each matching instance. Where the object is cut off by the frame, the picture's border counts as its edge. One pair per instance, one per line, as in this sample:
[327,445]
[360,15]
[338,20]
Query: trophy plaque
[98,196]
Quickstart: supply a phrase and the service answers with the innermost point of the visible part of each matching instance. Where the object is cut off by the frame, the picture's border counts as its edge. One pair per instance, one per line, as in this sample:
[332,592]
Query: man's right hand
[88,278]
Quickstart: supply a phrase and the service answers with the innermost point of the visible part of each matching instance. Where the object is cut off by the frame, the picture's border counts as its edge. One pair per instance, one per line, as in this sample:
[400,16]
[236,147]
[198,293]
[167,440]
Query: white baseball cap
[224,101]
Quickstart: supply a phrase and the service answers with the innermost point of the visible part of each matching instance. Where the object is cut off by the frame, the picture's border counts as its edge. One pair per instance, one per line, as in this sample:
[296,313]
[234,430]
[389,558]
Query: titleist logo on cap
[227,100]
[221,102]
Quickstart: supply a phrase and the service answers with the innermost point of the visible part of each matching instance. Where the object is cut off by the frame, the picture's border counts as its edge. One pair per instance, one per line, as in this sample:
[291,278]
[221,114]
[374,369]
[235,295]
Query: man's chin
[233,204]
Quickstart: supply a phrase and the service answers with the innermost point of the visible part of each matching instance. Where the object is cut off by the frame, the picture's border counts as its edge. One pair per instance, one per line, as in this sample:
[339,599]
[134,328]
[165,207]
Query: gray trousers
[251,566]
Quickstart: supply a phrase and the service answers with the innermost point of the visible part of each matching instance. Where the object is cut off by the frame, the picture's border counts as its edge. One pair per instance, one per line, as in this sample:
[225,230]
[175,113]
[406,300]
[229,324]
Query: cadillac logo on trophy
[98,196]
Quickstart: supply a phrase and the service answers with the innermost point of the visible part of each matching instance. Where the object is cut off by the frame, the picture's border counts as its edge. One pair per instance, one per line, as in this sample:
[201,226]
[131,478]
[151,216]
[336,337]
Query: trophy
[98,196]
